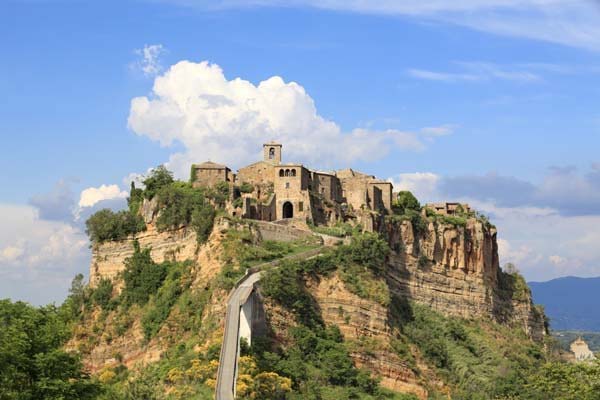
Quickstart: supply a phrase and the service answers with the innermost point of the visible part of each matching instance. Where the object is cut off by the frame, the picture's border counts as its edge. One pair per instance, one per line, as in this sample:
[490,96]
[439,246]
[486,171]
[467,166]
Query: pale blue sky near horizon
[489,109]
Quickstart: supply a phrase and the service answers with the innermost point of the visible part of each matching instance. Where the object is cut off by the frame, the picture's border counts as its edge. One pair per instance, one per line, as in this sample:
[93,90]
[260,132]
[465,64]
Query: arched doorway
[288,210]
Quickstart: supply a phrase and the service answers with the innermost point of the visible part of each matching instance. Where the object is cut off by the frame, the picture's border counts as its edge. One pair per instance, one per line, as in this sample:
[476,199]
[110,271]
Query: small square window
[287,185]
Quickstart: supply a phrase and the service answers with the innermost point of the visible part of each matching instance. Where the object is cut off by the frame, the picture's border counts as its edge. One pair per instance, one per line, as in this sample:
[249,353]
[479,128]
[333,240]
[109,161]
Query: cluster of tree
[180,205]
[33,364]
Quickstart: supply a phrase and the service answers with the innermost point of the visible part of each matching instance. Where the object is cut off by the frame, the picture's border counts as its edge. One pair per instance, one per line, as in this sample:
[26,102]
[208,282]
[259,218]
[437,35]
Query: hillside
[415,307]
[570,302]
[410,308]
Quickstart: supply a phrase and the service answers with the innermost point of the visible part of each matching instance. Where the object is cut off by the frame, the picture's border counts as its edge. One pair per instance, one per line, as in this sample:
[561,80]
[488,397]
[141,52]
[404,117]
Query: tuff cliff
[450,267]
[455,270]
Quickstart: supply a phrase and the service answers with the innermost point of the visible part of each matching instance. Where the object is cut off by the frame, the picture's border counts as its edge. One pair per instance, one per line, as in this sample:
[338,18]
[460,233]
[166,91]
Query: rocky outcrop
[455,270]
[365,325]
[108,258]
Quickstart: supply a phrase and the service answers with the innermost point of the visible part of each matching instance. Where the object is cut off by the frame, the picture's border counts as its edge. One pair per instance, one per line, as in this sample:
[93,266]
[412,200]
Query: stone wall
[258,173]
[209,176]
[282,233]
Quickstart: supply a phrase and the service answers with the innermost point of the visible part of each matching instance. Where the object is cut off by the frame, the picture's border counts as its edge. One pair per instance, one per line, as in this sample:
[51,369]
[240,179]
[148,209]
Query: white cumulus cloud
[93,195]
[422,184]
[38,257]
[227,120]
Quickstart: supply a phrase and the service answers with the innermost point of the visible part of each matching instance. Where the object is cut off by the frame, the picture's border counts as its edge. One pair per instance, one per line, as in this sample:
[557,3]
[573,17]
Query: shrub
[177,201]
[183,205]
[406,201]
[142,276]
[203,218]
[135,199]
[246,187]
[238,203]
[165,298]
[159,177]
[513,283]
[107,225]
[103,293]
[368,250]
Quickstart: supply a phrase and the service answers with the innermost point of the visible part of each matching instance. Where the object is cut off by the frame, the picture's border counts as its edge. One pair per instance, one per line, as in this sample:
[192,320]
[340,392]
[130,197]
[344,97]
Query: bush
[142,276]
[165,298]
[135,199]
[107,225]
[159,177]
[33,364]
[103,293]
[513,283]
[368,250]
[246,187]
[183,205]
[406,201]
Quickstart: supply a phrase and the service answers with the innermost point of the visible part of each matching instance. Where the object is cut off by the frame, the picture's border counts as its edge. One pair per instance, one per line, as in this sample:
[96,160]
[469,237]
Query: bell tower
[272,153]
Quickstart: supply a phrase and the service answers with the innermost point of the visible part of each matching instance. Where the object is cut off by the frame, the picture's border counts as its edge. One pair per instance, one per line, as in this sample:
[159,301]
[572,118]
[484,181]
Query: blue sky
[492,102]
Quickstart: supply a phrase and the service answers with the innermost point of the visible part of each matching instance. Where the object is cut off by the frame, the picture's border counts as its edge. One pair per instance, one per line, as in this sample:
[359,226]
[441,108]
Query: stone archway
[288,210]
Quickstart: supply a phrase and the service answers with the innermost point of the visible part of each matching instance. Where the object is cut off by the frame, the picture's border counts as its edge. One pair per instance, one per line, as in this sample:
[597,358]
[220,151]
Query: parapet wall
[281,233]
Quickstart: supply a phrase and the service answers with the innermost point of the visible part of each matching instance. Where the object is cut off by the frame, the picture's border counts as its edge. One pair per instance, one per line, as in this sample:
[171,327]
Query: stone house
[291,190]
[449,208]
[581,350]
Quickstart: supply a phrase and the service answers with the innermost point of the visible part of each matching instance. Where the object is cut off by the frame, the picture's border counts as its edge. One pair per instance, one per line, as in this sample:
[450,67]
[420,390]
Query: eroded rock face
[455,270]
[108,258]
[365,324]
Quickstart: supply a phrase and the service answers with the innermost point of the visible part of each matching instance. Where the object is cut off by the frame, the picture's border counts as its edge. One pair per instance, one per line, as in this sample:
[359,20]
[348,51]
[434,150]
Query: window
[287,172]
[271,153]
[280,172]
[300,206]
[287,185]
[293,172]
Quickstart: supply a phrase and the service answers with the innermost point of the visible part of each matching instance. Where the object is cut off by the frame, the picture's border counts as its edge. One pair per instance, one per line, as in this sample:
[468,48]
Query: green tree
[107,225]
[406,201]
[142,276]
[158,178]
[32,364]
[135,199]
[73,305]
[103,293]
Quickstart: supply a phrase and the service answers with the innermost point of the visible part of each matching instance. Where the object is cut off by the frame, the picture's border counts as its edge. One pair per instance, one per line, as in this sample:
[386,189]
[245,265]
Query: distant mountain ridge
[571,303]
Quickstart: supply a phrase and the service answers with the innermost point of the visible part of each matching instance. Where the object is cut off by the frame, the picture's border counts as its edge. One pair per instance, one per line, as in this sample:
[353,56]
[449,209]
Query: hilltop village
[270,190]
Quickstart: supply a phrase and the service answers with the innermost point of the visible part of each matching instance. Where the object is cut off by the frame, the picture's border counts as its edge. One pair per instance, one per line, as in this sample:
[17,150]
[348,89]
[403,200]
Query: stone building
[291,190]
[581,350]
[449,208]
[209,173]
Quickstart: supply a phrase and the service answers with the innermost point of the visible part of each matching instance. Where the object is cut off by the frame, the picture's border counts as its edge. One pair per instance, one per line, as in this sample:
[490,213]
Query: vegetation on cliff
[165,306]
[179,204]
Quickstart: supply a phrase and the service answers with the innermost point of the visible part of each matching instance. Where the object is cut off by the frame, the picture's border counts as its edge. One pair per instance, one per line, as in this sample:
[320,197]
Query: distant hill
[571,303]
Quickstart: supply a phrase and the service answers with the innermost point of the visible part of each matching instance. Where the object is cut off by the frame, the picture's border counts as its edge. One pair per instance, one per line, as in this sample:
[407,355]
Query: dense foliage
[158,178]
[405,201]
[32,364]
[109,225]
[179,205]
[142,276]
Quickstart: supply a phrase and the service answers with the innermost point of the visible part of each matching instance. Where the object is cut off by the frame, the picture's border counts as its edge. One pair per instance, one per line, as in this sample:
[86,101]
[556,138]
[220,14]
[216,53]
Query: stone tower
[272,153]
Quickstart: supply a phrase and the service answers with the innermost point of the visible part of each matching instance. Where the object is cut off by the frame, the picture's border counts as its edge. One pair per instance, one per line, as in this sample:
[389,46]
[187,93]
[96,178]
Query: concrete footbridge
[243,310]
